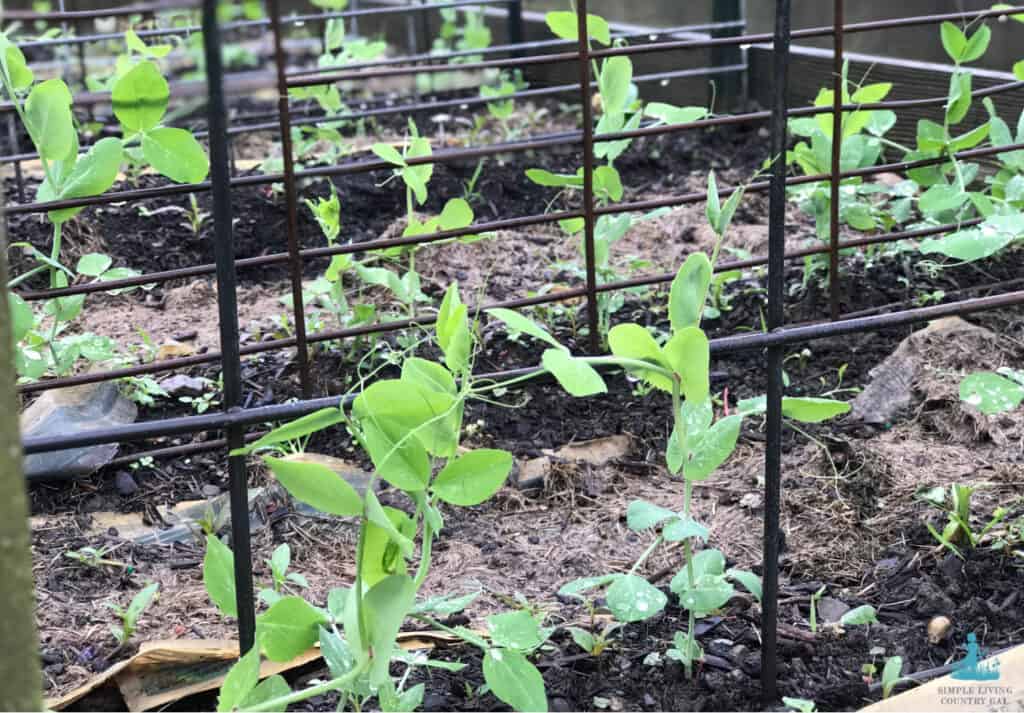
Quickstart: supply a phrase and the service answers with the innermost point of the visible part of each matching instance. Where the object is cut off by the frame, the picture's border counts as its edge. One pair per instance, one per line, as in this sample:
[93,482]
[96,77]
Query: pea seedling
[130,616]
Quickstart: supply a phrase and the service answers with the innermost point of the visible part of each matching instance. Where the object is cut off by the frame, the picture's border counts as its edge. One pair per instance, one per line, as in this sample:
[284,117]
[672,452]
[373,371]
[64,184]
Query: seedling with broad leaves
[140,96]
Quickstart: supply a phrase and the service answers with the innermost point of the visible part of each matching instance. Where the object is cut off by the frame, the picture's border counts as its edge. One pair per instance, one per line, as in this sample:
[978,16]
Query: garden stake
[838,87]
[295,257]
[227,305]
[776,301]
[588,174]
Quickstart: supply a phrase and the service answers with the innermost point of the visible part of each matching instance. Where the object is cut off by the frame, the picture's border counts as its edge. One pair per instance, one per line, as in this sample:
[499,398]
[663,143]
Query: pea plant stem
[680,435]
[282,702]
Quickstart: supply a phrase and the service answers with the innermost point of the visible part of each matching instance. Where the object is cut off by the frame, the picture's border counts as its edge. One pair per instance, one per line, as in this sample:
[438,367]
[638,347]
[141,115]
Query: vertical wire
[294,256]
[588,174]
[837,150]
[227,307]
[776,317]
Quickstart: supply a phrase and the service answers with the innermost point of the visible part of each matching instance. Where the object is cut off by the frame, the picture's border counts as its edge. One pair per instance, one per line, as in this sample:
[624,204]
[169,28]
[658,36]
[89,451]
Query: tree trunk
[20,680]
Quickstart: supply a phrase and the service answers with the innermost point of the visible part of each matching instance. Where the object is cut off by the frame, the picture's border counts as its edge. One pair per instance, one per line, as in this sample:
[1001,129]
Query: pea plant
[411,428]
[140,97]
[862,142]
[698,445]
[129,615]
[455,214]
[620,109]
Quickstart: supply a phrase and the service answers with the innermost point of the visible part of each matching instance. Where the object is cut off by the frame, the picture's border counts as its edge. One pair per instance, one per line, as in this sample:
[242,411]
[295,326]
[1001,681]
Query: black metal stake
[776,317]
[227,307]
[589,252]
[837,150]
[295,259]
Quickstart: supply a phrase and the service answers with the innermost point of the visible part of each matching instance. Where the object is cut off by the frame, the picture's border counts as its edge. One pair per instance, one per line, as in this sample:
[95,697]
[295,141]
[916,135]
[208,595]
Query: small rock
[751,501]
[185,336]
[172,350]
[125,483]
[183,385]
[649,701]
[737,675]
[210,491]
[558,705]
[938,629]
[721,647]
[831,610]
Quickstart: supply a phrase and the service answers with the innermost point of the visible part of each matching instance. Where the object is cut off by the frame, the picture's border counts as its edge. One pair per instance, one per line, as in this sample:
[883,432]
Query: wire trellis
[235,418]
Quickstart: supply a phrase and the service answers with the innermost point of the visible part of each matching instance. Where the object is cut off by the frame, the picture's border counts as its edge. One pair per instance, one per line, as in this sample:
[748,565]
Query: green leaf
[289,627]
[607,183]
[388,153]
[631,341]
[519,323]
[548,179]
[1018,69]
[92,175]
[517,630]
[473,477]
[800,704]
[684,529]
[387,604]
[953,41]
[969,139]
[413,409]
[864,614]
[382,557]
[176,154]
[670,114]
[575,375]
[398,457]
[48,119]
[711,447]
[93,264]
[613,82]
[713,208]
[941,198]
[445,605]
[564,24]
[270,688]
[219,576]
[641,515]
[515,680]
[633,598]
[977,45]
[959,97]
[991,393]
[967,245]
[140,601]
[379,517]
[807,409]
[688,353]
[584,639]
[295,430]
[749,580]
[456,214]
[429,375]
[239,682]
[140,98]
[22,317]
[134,42]
[316,485]
[689,292]
[452,329]
[13,63]
[891,674]
[584,584]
